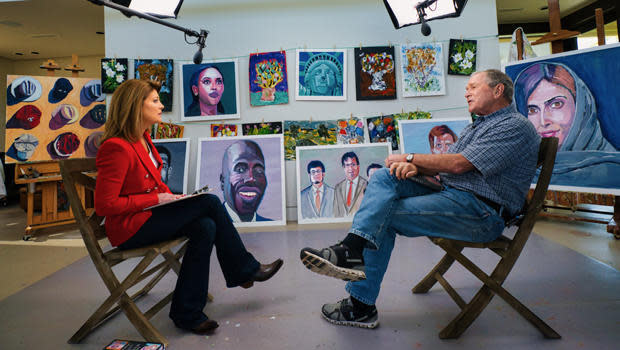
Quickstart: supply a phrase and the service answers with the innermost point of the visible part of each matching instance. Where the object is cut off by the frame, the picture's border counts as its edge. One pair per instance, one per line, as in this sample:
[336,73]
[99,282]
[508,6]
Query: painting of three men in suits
[331,179]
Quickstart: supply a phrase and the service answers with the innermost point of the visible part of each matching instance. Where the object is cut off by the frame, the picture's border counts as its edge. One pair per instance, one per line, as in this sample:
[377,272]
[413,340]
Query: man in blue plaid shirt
[485,176]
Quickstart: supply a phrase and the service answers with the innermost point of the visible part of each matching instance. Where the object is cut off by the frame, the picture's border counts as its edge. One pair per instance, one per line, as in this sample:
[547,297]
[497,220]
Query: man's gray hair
[495,77]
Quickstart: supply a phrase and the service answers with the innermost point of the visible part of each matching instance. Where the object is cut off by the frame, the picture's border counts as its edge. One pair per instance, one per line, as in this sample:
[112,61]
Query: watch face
[410,157]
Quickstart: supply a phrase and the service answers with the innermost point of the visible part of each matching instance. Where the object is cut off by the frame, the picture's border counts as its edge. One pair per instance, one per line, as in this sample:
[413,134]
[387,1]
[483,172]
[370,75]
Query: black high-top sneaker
[337,261]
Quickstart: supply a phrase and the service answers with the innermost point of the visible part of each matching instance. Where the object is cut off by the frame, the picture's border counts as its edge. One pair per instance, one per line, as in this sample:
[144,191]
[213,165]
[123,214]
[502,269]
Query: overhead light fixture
[154,10]
[409,12]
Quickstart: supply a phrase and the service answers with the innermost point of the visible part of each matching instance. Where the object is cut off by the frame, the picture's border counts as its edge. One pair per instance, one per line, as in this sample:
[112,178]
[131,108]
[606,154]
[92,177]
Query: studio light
[154,10]
[408,12]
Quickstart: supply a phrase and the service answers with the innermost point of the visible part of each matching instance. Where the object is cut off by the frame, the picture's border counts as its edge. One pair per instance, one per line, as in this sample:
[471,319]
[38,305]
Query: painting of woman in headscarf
[560,104]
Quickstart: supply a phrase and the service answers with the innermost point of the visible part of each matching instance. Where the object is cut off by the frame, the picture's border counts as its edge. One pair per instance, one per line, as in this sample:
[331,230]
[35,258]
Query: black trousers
[206,223]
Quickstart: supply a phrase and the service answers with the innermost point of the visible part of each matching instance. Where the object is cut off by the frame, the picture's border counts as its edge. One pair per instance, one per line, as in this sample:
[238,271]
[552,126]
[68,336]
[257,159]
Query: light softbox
[407,12]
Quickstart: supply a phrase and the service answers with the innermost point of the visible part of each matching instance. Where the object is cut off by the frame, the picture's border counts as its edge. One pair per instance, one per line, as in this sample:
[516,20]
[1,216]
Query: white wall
[238,27]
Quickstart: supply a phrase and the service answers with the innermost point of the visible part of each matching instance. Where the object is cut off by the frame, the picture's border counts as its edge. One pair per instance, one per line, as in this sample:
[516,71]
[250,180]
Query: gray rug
[577,296]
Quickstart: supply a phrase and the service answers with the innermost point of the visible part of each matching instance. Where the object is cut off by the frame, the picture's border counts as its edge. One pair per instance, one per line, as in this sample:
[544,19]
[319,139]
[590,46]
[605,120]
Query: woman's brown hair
[125,110]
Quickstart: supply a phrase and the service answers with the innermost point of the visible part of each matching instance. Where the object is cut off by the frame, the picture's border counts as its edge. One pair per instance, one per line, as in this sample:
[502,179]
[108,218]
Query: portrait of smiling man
[243,180]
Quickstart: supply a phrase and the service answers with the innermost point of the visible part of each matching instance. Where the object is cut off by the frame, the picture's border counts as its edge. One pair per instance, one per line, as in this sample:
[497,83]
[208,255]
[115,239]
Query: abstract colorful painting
[51,118]
[382,129]
[462,57]
[350,131]
[210,91]
[247,174]
[268,78]
[264,128]
[385,128]
[375,74]
[158,70]
[113,73]
[223,130]
[422,70]
[174,155]
[325,191]
[307,133]
[433,136]
[168,131]
[321,75]
[574,96]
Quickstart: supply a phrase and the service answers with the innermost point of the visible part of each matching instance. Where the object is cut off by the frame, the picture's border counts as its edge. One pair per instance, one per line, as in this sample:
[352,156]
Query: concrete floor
[39,278]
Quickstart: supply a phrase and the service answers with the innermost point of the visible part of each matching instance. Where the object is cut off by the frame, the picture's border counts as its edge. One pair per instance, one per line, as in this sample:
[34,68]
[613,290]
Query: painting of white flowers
[422,67]
[462,57]
[113,73]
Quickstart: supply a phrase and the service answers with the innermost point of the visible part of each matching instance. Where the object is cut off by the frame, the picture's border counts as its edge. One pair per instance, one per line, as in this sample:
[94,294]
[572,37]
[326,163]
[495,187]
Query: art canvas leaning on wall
[174,155]
[574,96]
[247,174]
[430,136]
[331,180]
[52,118]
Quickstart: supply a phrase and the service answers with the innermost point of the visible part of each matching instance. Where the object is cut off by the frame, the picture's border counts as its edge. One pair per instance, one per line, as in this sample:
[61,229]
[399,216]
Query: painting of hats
[113,73]
[63,115]
[91,92]
[23,147]
[27,117]
[94,118]
[91,145]
[23,89]
[160,71]
[62,88]
[63,146]
[73,107]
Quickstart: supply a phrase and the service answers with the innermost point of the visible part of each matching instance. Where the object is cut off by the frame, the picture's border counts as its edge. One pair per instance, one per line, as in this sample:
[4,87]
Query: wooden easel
[44,178]
[569,200]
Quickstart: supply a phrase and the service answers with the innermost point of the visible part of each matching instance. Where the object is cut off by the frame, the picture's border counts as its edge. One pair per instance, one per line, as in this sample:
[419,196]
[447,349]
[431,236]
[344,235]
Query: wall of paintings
[280,53]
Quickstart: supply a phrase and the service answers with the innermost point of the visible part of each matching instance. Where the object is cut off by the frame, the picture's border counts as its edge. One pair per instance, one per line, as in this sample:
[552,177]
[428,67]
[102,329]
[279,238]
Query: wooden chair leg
[140,322]
[492,286]
[118,291]
[429,280]
[468,314]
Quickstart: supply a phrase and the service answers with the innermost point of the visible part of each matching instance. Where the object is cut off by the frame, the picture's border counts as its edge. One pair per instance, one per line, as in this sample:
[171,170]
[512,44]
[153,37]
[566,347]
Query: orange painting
[52,118]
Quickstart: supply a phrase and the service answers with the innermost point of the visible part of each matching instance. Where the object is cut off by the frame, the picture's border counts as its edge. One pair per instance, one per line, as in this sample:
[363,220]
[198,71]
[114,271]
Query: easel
[44,177]
[569,200]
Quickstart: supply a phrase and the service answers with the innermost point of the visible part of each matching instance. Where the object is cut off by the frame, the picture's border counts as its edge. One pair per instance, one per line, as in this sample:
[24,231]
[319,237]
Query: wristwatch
[409,157]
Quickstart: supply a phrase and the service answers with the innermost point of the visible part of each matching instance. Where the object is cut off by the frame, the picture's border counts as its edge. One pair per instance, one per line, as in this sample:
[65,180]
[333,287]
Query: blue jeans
[206,223]
[391,206]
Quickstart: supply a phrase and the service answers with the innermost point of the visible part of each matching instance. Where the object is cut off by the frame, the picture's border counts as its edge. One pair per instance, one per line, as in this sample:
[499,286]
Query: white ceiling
[54,28]
[59,28]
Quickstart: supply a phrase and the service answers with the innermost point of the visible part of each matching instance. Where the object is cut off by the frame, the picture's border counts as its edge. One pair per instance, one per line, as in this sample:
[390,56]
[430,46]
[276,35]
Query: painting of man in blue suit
[317,200]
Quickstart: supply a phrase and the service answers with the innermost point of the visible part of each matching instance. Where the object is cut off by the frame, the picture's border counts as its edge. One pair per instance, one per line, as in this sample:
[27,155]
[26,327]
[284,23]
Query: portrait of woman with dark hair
[207,86]
[210,91]
[559,104]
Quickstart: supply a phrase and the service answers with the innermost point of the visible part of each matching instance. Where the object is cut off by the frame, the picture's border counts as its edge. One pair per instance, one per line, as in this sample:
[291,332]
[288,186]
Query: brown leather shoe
[206,327]
[264,273]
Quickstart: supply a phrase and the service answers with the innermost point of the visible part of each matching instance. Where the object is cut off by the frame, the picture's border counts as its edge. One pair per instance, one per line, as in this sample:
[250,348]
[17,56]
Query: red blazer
[127,182]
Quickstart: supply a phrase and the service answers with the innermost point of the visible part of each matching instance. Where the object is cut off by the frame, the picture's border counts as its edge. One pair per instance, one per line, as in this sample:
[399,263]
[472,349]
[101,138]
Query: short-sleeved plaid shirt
[503,147]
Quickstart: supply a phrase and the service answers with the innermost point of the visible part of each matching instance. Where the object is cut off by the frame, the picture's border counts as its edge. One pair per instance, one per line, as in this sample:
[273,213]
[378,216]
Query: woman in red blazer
[129,180]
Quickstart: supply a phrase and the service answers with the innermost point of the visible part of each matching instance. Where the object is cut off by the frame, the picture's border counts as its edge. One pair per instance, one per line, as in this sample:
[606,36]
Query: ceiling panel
[54,28]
